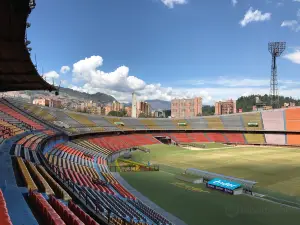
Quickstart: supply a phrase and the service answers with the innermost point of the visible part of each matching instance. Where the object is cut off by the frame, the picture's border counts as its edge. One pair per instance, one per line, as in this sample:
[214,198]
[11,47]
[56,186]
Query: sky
[165,49]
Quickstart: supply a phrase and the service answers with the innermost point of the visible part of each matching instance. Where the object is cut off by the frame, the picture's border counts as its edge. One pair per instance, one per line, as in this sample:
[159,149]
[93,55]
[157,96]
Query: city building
[143,108]
[186,107]
[107,109]
[262,108]
[41,101]
[159,114]
[53,103]
[289,105]
[225,107]
[128,110]
[116,106]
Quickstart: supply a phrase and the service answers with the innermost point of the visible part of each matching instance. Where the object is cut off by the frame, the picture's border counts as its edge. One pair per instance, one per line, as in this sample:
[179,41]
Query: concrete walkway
[148,202]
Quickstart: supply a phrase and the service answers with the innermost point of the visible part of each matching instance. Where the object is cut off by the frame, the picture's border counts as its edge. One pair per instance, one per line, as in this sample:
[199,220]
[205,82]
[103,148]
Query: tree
[208,110]
[117,113]
[167,113]
[143,115]
[246,103]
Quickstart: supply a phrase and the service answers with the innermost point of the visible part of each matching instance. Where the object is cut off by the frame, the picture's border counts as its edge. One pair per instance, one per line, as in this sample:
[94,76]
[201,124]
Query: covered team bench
[207,176]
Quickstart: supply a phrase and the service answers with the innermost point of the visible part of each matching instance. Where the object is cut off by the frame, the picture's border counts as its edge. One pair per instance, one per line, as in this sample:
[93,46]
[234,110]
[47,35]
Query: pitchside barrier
[135,168]
[207,176]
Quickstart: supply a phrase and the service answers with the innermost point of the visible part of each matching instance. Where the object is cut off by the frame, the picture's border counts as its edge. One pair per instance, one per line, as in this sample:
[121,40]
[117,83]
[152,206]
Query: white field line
[238,146]
[278,203]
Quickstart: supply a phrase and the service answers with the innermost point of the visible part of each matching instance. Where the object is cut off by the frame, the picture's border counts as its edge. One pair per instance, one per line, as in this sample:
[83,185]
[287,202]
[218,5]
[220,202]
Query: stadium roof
[17,71]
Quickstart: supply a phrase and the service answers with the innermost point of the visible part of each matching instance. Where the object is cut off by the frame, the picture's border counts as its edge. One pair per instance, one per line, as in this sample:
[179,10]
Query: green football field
[277,171]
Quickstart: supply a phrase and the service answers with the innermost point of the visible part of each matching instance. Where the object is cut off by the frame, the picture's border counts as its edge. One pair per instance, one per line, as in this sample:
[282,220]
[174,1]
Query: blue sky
[167,48]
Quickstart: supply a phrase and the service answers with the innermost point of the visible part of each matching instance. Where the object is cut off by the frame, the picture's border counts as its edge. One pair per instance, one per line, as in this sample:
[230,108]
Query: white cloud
[294,57]
[292,24]
[171,3]
[254,16]
[86,70]
[64,69]
[51,75]
[120,84]
[234,2]
[279,4]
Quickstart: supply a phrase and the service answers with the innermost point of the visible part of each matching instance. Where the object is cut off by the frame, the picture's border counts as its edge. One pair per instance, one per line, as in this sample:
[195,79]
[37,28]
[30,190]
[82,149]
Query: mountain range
[72,94]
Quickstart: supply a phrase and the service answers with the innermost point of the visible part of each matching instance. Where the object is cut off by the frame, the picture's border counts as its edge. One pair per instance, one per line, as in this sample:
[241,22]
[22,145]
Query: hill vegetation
[72,94]
[246,102]
[208,110]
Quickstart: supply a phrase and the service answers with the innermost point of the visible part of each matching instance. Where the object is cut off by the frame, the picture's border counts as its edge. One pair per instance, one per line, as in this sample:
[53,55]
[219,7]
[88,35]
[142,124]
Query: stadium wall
[274,120]
[292,117]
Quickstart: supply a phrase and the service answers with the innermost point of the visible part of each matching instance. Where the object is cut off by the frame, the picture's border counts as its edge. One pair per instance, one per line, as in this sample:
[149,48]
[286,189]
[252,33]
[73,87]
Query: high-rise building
[225,107]
[143,108]
[107,109]
[133,106]
[116,106]
[181,108]
[128,110]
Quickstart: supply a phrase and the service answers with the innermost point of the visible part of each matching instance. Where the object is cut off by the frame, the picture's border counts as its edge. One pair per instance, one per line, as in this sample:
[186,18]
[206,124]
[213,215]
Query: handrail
[71,186]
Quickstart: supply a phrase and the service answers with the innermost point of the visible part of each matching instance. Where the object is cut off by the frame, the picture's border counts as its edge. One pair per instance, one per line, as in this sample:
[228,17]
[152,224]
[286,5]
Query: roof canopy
[17,71]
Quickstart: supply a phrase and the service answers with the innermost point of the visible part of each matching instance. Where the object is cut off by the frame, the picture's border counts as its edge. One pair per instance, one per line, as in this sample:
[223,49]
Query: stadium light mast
[276,49]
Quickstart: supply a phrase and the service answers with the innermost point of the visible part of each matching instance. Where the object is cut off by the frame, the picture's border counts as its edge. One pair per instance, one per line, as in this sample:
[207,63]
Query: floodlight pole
[276,49]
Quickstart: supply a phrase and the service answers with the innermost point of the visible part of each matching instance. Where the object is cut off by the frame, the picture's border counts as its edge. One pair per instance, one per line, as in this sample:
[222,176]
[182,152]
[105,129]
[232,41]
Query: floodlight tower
[276,49]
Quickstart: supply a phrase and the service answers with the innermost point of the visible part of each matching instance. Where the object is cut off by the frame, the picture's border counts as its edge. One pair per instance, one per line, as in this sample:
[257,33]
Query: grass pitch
[276,169]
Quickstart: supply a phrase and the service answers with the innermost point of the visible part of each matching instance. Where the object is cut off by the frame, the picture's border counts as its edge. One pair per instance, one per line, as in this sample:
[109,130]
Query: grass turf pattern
[195,204]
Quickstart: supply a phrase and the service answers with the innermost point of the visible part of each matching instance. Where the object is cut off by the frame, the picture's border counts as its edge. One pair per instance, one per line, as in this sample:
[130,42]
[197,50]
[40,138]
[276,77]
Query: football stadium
[64,167]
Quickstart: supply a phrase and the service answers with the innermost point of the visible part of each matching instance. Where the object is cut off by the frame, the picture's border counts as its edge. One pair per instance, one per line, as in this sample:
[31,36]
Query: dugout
[246,185]
[225,186]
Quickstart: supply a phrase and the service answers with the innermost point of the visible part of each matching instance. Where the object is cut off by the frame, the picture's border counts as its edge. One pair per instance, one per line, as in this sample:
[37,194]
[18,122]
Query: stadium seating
[42,183]
[214,122]
[113,144]
[255,138]
[82,119]
[274,121]
[100,121]
[155,217]
[59,191]
[235,138]
[64,212]
[150,124]
[197,123]
[7,130]
[41,205]
[39,112]
[198,137]
[83,161]
[6,109]
[30,184]
[115,121]
[165,124]
[292,118]
[249,118]
[133,123]
[4,217]
[181,124]
[181,137]
[85,218]
[232,122]
[216,137]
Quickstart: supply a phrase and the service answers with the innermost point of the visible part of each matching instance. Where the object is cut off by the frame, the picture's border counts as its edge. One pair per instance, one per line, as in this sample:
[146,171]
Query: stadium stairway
[18,209]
